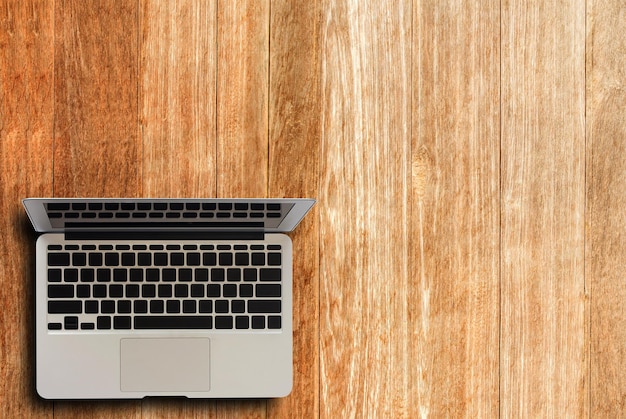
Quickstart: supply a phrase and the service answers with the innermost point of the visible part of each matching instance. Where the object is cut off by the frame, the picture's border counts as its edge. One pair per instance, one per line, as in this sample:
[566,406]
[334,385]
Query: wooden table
[466,256]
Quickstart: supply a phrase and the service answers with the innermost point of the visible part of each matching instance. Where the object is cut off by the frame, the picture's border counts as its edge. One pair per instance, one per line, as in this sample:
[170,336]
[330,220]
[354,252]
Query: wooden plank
[26,115]
[177,97]
[455,209]
[606,222]
[242,98]
[294,135]
[177,105]
[365,335]
[242,121]
[543,344]
[96,143]
[96,121]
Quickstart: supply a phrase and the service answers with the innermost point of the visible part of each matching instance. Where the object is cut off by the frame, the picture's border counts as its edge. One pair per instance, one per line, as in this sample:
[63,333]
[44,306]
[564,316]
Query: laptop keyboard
[155,286]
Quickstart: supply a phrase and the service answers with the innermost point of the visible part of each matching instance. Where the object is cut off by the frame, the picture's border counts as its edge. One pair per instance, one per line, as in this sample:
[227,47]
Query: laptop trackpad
[165,364]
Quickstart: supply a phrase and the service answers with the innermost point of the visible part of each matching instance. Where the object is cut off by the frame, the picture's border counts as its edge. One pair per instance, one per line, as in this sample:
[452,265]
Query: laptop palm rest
[164,364]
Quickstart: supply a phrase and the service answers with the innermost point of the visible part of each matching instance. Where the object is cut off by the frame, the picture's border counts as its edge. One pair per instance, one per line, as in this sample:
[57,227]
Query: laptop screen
[146,214]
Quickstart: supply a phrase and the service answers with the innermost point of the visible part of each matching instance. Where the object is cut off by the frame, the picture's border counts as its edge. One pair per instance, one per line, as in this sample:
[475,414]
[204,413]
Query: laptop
[164,297]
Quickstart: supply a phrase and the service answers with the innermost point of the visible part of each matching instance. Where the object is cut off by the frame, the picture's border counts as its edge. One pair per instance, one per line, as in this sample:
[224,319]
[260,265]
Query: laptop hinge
[164,235]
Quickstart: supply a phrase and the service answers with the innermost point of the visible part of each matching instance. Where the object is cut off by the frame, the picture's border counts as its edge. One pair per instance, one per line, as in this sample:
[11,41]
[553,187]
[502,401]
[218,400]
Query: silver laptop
[164,297]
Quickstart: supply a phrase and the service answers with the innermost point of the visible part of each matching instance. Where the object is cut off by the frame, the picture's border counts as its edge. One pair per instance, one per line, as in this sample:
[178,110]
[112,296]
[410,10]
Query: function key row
[162,206]
[72,247]
[161,215]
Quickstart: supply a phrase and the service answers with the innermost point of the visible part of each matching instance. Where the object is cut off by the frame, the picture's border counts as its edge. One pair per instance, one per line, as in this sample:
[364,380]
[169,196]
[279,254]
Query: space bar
[173,322]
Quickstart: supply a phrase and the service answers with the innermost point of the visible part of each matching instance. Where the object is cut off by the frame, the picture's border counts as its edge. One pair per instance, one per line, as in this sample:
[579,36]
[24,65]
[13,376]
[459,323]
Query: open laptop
[164,297]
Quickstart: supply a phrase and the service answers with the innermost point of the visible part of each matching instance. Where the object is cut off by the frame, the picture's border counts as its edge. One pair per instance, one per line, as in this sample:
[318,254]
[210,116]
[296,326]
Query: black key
[54,275]
[160,259]
[273,322]
[168,275]
[268,290]
[87,326]
[128,206]
[132,291]
[264,306]
[65,307]
[128,259]
[221,306]
[160,206]
[148,291]
[58,259]
[116,291]
[205,306]
[79,259]
[99,291]
[91,307]
[257,247]
[83,291]
[240,247]
[189,306]
[176,206]
[201,274]
[144,259]
[95,206]
[258,259]
[121,322]
[185,275]
[213,290]
[136,275]
[165,290]
[104,322]
[181,290]
[274,259]
[217,274]
[111,259]
[120,275]
[197,290]
[95,259]
[103,275]
[193,259]
[258,322]
[140,306]
[58,206]
[208,206]
[246,290]
[122,247]
[270,274]
[87,275]
[177,259]
[249,274]
[144,206]
[153,275]
[273,207]
[274,247]
[156,306]
[155,215]
[209,259]
[242,259]
[225,206]
[238,306]
[233,274]
[60,291]
[241,206]
[226,259]
[70,275]
[242,322]
[172,306]
[107,306]
[111,206]
[70,322]
[173,322]
[123,306]
[223,247]
[223,322]
[55,326]
[230,290]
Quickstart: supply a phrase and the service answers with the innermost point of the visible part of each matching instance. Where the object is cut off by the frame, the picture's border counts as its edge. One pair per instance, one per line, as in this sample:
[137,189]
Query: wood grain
[96,122]
[242,98]
[26,125]
[177,96]
[454,208]
[294,142]
[365,335]
[96,141]
[606,222]
[543,346]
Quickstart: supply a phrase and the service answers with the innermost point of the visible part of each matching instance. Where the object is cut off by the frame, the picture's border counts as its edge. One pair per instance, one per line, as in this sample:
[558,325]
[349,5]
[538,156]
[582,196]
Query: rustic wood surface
[465,257]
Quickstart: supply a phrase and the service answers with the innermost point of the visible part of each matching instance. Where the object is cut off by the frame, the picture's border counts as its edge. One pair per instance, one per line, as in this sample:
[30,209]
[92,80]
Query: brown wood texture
[465,255]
